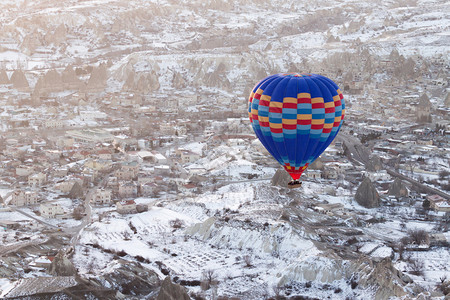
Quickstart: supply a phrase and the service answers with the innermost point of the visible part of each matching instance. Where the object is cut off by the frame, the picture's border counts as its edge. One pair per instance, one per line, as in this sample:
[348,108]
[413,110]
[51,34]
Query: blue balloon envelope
[296,117]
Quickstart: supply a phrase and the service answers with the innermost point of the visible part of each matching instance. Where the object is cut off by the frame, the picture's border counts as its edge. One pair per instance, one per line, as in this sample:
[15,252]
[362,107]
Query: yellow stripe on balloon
[265,97]
[289,100]
[304,95]
[276,125]
[304,117]
[276,104]
[289,121]
[317,121]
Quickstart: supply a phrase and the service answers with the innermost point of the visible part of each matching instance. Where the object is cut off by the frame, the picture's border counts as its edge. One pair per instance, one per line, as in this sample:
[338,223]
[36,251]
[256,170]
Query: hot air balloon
[296,117]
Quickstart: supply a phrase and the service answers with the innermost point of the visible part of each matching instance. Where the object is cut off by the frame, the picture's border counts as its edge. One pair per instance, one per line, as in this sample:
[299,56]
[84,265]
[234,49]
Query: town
[142,159]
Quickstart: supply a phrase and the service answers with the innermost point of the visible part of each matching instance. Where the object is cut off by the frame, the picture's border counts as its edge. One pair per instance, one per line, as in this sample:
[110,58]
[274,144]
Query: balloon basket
[294,184]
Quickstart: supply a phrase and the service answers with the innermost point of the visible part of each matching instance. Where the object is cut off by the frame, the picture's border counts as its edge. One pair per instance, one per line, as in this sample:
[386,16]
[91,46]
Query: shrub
[419,237]
[417,267]
[177,223]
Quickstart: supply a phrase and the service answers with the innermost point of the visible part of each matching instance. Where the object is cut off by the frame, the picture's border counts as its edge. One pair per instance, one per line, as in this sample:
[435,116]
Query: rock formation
[375,164]
[423,109]
[178,81]
[58,36]
[366,194]
[172,291]
[31,42]
[70,80]
[398,189]
[4,77]
[51,82]
[281,178]
[141,83]
[97,81]
[129,278]
[62,266]
[19,80]
[76,191]
[316,165]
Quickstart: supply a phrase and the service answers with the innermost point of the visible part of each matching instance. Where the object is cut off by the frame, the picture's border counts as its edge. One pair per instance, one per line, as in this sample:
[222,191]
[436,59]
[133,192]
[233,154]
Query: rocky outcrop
[31,42]
[423,110]
[62,266]
[70,80]
[178,81]
[76,192]
[58,36]
[279,238]
[366,194]
[97,81]
[172,291]
[389,281]
[317,164]
[375,164]
[19,81]
[129,278]
[4,77]
[50,82]
[381,278]
[141,83]
[281,178]
[398,189]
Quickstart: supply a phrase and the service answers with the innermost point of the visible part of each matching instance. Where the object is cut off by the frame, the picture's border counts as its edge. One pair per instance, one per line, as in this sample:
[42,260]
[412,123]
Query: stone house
[127,189]
[236,142]
[148,188]
[42,262]
[99,164]
[162,170]
[54,123]
[314,174]
[50,210]
[24,170]
[101,197]
[330,173]
[66,186]
[37,179]
[438,203]
[24,198]
[127,171]
[104,154]
[126,207]
[187,156]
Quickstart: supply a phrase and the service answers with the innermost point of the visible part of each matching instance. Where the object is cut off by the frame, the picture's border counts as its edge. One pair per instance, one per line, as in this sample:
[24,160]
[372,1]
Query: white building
[101,197]
[37,179]
[50,210]
[128,189]
[187,156]
[126,207]
[24,171]
[24,198]
[54,124]
[315,174]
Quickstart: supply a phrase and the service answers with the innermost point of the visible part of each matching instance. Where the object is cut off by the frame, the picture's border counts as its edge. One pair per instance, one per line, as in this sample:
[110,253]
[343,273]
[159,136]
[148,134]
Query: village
[127,155]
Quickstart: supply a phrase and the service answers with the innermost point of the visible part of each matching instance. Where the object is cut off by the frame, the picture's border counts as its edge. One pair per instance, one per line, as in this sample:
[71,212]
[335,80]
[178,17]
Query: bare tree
[209,278]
